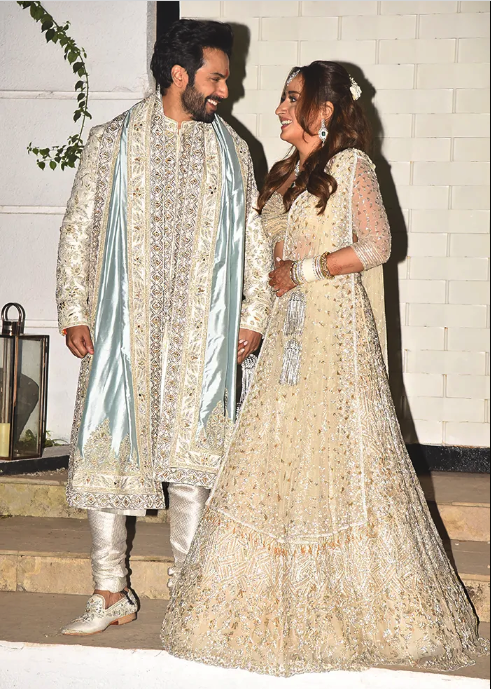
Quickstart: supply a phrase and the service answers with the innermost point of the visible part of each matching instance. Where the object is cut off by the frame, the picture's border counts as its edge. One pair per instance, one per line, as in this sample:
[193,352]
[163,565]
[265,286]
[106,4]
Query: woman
[316,550]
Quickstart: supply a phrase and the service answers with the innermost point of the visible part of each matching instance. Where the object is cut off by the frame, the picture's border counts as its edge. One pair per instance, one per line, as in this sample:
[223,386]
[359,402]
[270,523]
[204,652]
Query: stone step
[460,503]
[52,556]
[36,618]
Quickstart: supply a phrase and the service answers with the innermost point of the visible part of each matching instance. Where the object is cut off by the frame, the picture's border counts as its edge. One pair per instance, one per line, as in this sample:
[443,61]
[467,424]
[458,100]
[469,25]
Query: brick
[386,27]
[453,76]
[299,28]
[465,174]
[195,8]
[474,50]
[268,126]
[448,315]
[450,221]
[416,7]
[273,77]
[469,245]
[360,52]
[249,122]
[469,292]
[422,338]
[468,125]
[399,149]
[338,9]
[454,26]
[428,432]
[471,387]
[272,53]
[251,79]
[423,384]
[468,198]
[479,6]
[423,197]
[275,150]
[450,268]
[417,51]
[390,76]
[469,340]
[251,8]
[401,173]
[460,363]
[417,101]
[445,409]
[423,291]
[473,100]
[397,125]
[473,434]
[472,150]
[258,102]
[422,244]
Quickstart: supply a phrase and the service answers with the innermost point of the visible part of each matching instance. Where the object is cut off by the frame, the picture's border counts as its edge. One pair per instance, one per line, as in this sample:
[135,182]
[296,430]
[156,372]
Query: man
[159,245]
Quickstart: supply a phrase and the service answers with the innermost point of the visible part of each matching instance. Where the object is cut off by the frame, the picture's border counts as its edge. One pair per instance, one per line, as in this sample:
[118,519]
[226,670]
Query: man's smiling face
[201,100]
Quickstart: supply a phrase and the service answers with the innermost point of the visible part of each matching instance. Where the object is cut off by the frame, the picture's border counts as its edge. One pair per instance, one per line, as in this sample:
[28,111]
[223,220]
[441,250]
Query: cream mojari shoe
[97,618]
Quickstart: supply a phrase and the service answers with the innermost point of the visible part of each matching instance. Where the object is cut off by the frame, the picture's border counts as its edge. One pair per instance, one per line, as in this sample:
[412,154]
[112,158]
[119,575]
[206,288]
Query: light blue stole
[220,374]
[110,390]
[110,395]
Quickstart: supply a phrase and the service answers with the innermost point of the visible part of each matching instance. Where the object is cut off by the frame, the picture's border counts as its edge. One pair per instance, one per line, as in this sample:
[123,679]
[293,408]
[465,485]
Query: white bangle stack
[311,270]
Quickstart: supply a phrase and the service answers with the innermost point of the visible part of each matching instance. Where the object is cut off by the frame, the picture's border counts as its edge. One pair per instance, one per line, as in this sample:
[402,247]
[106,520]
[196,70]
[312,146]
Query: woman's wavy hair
[348,128]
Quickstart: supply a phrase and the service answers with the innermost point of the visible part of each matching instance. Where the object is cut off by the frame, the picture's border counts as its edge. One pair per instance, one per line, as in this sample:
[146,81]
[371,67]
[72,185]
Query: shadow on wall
[238,72]
[399,254]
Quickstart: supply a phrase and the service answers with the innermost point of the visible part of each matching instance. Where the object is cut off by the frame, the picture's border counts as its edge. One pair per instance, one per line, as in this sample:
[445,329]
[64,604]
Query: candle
[4,439]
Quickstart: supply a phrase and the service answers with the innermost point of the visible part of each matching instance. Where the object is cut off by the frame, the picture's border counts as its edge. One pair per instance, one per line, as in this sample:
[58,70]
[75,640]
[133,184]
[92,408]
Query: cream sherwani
[148,198]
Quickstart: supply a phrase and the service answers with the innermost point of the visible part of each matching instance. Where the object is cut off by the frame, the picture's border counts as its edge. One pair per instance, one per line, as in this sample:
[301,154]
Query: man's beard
[194,103]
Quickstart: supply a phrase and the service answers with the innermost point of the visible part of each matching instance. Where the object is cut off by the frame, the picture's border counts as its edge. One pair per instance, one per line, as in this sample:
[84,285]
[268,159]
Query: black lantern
[23,388]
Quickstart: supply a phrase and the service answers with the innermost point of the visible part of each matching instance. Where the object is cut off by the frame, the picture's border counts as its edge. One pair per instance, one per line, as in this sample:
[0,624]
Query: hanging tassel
[290,373]
[248,371]
[295,315]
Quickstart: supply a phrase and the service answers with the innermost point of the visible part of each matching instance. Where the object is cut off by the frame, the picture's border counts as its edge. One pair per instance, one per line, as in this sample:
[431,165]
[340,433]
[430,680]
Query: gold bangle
[323,265]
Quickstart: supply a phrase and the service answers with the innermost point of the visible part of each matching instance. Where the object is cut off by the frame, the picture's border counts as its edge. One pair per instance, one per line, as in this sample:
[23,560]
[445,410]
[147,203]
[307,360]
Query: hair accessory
[297,169]
[355,89]
[323,131]
[294,73]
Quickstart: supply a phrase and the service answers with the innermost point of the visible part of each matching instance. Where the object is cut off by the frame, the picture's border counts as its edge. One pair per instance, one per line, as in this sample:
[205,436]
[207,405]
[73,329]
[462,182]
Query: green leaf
[77,116]
[81,96]
[77,66]
[81,72]
[72,57]
[52,165]
[79,85]
[41,164]
[50,34]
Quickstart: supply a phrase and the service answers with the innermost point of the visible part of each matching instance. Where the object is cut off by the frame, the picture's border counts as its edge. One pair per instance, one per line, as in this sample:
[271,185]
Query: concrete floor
[36,618]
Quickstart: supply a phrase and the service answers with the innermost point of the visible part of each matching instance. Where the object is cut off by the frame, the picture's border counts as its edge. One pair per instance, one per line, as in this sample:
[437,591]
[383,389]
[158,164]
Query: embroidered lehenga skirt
[317,551]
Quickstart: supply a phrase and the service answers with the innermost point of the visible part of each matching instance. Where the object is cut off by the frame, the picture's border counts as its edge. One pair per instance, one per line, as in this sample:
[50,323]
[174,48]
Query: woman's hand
[280,279]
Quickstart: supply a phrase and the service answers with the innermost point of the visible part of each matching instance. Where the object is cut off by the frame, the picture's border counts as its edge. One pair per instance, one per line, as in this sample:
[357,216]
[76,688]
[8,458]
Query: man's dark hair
[183,45]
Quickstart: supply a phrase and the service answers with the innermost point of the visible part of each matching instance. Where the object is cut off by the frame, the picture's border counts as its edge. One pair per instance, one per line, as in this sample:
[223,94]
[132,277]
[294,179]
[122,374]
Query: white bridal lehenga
[316,551]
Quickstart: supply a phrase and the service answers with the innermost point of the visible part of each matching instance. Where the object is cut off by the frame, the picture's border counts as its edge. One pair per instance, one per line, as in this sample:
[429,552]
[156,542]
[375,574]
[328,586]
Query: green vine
[68,154]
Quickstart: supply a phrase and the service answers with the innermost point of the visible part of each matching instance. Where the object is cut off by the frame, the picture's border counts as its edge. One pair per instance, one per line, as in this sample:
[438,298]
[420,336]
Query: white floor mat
[33,666]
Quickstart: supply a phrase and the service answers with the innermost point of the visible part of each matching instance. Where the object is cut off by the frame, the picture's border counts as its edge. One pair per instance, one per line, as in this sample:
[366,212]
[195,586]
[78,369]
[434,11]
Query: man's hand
[79,342]
[280,279]
[249,342]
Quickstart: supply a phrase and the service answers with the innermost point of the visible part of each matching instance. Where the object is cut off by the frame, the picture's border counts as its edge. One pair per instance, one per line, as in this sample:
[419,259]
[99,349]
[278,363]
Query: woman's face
[291,131]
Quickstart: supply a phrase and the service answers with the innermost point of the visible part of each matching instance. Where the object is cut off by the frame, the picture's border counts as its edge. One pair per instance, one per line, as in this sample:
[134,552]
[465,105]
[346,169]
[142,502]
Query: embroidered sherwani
[153,260]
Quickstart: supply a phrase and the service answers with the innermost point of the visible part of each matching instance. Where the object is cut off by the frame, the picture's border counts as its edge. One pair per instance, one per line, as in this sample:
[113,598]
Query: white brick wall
[37,104]
[428,63]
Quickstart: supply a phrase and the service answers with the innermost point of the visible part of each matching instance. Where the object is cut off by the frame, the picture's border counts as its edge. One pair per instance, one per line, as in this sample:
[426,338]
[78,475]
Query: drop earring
[323,131]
